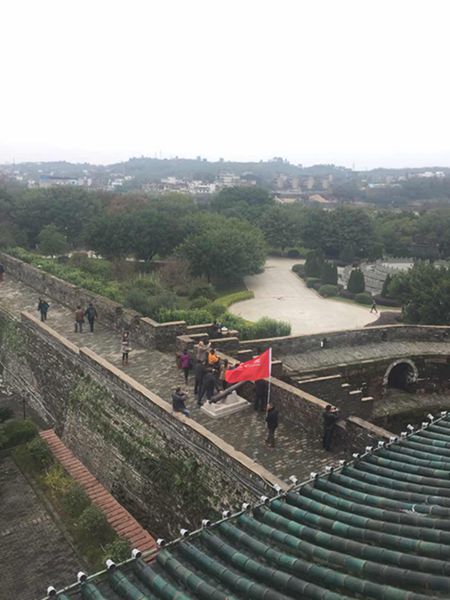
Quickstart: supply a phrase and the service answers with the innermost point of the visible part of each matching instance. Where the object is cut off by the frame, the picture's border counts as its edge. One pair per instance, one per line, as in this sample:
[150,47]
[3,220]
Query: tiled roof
[377,527]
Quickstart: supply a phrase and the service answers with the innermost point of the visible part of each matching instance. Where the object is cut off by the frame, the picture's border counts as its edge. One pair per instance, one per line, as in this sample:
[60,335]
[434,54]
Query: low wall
[166,469]
[146,331]
[354,337]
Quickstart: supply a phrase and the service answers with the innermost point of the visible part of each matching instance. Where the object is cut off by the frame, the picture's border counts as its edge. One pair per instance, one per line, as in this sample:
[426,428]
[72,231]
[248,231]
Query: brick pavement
[295,452]
[352,354]
[33,551]
[119,518]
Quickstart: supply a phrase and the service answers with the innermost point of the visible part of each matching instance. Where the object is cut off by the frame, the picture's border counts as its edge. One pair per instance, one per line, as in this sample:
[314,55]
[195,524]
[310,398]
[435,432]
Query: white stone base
[229,405]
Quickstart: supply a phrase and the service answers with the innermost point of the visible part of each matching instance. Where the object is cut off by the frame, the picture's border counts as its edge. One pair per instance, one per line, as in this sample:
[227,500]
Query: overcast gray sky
[358,82]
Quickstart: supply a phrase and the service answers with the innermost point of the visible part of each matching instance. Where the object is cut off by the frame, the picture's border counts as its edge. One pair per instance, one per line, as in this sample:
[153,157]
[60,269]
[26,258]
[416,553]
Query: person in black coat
[179,401]
[272,424]
[199,373]
[260,394]
[209,386]
[330,418]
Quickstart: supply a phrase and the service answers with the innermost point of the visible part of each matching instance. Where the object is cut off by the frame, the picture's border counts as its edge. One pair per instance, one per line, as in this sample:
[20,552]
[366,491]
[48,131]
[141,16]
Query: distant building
[48,181]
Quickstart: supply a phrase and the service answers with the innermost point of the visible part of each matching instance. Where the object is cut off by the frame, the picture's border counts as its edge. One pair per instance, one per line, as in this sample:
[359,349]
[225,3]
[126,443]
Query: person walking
[43,307]
[374,307]
[260,395]
[185,363]
[179,398]
[330,418]
[79,319]
[272,424]
[125,347]
[91,315]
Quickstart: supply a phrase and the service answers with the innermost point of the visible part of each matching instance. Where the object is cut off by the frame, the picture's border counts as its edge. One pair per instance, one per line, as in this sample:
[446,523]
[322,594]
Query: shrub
[150,306]
[347,254]
[383,301]
[5,413]
[356,283]
[192,317]
[75,501]
[56,480]
[299,270]
[329,274]
[265,328]
[328,290]
[217,310]
[313,263]
[199,302]
[364,298]
[346,294]
[17,431]
[118,550]
[92,525]
[202,290]
[34,456]
[310,281]
[293,253]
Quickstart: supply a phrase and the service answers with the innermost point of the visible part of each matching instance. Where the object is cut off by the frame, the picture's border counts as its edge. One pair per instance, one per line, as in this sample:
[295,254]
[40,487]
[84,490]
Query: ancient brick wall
[166,469]
[146,331]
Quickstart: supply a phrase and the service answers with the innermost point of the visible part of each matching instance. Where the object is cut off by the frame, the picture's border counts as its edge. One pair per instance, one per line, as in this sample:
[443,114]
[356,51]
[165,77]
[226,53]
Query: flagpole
[270,378]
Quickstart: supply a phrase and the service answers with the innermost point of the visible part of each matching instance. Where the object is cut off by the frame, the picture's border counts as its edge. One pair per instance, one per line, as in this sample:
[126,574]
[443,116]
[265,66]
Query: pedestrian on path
[43,307]
[272,424]
[330,418]
[185,364]
[374,307]
[125,347]
[79,319]
[91,315]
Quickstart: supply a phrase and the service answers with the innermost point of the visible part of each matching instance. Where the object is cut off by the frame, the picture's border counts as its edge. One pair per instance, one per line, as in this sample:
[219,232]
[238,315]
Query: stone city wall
[354,337]
[146,331]
[166,469]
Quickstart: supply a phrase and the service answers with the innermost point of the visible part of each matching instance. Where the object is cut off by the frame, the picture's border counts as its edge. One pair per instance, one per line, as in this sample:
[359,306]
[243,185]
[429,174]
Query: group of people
[90,313]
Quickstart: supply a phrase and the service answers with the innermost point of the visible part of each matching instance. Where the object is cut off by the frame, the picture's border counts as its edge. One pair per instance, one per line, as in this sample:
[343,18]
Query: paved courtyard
[33,550]
[296,453]
[280,294]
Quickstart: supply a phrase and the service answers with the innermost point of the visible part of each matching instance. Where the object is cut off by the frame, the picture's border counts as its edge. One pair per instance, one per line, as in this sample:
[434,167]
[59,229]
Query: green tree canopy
[424,292]
[281,228]
[52,241]
[226,249]
[242,202]
[356,283]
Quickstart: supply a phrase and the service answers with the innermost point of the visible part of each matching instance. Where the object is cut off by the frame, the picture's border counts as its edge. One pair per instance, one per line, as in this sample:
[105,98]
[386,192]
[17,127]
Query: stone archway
[400,374]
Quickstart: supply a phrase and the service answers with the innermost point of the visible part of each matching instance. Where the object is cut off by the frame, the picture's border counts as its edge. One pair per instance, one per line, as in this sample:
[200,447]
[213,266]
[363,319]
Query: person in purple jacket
[185,363]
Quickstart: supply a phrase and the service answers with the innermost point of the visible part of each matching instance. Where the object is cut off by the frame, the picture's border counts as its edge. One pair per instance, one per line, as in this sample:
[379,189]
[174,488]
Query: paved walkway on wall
[352,354]
[116,515]
[295,453]
[280,294]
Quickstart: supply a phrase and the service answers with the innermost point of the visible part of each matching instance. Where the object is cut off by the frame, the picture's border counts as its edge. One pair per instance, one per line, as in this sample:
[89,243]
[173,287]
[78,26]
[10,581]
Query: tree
[226,250]
[424,292]
[347,254]
[329,274]
[280,228]
[356,283]
[386,284]
[242,202]
[313,264]
[52,241]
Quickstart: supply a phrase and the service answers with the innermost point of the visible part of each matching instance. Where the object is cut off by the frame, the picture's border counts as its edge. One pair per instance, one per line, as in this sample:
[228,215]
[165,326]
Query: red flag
[256,368]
